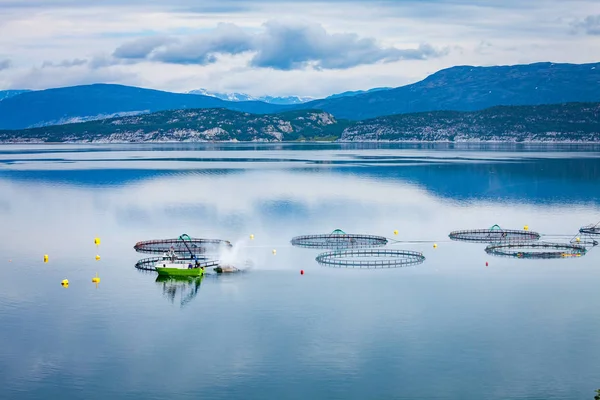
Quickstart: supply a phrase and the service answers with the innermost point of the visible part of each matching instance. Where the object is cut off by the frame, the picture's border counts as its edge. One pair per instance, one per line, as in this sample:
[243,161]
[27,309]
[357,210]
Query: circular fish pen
[338,239]
[590,229]
[493,235]
[370,259]
[183,245]
[536,250]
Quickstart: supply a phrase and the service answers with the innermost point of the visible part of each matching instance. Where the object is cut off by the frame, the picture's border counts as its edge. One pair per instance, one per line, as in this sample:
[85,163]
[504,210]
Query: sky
[282,47]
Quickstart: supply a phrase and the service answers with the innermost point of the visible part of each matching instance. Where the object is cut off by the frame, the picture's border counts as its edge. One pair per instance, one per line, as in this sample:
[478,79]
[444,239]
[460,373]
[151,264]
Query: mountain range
[460,88]
[570,122]
[246,97]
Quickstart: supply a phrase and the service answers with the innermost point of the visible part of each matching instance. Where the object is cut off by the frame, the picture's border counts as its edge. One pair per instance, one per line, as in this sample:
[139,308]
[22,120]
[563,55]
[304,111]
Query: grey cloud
[280,46]
[199,49]
[64,63]
[291,47]
[5,64]
[141,48]
[589,25]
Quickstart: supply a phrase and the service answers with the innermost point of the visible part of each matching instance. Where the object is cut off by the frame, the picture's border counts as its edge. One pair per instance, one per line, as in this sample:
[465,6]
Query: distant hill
[546,123]
[5,94]
[190,125]
[356,92]
[98,101]
[467,88]
[246,97]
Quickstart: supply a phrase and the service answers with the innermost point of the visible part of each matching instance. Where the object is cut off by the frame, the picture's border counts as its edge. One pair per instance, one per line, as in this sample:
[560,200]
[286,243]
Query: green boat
[179,269]
[171,265]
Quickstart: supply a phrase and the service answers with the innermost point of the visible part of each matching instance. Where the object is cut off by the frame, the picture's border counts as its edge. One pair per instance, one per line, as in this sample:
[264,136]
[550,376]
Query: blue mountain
[99,101]
[467,88]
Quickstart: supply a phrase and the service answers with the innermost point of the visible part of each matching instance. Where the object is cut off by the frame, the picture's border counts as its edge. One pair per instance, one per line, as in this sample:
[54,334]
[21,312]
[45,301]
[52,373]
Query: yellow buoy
[579,240]
[96,279]
[526,228]
[251,237]
[97,257]
[435,245]
[395,232]
[45,258]
[97,241]
[65,282]
[274,251]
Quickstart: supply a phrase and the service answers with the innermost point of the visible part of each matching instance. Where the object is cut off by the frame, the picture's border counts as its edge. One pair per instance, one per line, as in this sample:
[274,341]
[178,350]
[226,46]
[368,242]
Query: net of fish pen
[370,258]
[338,240]
[182,245]
[148,264]
[493,235]
[536,250]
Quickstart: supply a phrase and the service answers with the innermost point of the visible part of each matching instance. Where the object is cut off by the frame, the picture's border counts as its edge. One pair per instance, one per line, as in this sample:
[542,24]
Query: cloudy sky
[282,47]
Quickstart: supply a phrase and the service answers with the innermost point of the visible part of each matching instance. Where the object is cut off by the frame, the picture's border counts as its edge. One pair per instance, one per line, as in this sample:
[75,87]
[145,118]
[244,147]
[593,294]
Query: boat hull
[162,271]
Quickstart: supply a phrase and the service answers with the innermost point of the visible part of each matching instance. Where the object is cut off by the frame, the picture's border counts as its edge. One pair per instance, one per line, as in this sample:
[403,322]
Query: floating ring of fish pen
[493,235]
[148,264]
[338,240]
[590,230]
[536,250]
[182,245]
[356,258]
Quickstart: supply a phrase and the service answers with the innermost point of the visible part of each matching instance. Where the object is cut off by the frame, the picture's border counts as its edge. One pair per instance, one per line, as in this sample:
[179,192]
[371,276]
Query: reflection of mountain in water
[185,288]
[546,180]
[449,175]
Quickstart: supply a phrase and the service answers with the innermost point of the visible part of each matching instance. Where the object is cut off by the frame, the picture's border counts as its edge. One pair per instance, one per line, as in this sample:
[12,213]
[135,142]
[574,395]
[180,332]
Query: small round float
[370,259]
[493,235]
[536,250]
[338,239]
[182,245]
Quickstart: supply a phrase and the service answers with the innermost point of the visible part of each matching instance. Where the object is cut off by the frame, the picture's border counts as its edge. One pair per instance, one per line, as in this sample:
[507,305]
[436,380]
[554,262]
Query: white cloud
[34,33]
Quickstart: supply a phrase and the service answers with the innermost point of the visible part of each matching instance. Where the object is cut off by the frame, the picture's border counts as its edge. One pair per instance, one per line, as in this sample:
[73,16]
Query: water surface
[450,328]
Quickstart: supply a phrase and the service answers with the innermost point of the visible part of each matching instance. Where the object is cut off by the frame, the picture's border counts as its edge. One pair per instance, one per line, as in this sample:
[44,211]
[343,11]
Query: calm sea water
[450,328]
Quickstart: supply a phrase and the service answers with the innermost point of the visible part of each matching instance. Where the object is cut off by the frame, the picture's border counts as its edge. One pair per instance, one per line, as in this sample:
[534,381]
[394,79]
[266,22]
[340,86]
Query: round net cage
[148,264]
[182,245]
[590,229]
[338,239]
[370,258]
[493,235]
[536,250]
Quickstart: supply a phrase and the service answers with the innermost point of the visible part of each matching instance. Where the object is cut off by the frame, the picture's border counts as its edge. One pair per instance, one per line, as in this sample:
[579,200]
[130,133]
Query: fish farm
[536,250]
[183,251]
[374,258]
[493,235]
[338,239]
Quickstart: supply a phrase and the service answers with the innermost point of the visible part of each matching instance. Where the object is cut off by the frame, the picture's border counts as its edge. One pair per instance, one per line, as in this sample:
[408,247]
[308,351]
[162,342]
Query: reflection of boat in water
[188,287]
